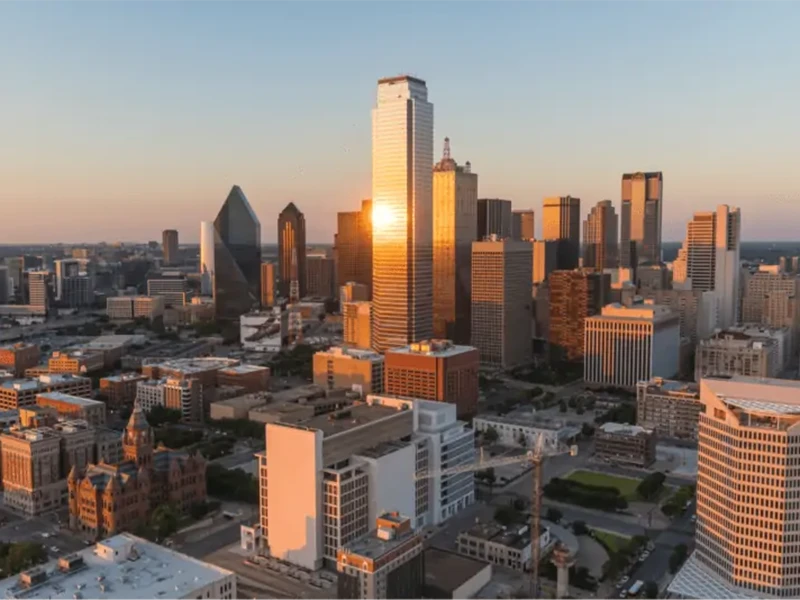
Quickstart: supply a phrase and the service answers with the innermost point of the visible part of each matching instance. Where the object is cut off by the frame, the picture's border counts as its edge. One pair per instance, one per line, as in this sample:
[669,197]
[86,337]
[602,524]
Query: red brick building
[18,357]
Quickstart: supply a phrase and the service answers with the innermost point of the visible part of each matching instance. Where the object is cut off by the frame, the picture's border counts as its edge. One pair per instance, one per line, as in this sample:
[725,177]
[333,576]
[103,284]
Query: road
[222,538]
[19,529]
[232,461]
[29,331]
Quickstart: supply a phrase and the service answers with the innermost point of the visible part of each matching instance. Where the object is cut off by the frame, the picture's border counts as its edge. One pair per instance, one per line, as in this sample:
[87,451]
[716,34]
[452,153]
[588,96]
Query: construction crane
[543,447]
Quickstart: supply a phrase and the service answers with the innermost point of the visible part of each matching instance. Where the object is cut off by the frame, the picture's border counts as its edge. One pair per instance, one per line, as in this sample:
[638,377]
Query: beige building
[640,220]
[455,227]
[697,311]
[770,297]
[671,408]
[619,443]
[127,308]
[349,368]
[74,407]
[75,362]
[545,259]
[561,220]
[23,392]
[502,302]
[733,353]
[601,238]
[508,547]
[357,324]
[352,291]
[18,357]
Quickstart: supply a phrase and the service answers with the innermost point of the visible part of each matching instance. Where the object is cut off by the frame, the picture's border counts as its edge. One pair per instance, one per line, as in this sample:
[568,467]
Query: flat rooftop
[194,365]
[380,450]
[448,571]
[352,353]
[348,418]
[114,341]
[516,535]
[140,569]
[125,377]
[41,382]
[624,429]
[672,386]
[70,399]
[434,348]
[374,547]
[637,312]
[756,393]
[244,369]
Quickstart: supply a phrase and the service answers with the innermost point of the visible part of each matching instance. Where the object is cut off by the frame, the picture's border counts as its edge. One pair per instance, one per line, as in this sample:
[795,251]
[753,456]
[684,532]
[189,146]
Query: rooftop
[383,449]
[696,581]
[381,540]
[123,566]
[671,386]
[756,393]
[352,353]
[448,571]
[624,429]
[348,418]
[193,365]
[43,381]
[133,376]
[113,341]
[646,310]
[435,348]
[16,346]
[514,536]
[70,399]
[400,78]
[244,369]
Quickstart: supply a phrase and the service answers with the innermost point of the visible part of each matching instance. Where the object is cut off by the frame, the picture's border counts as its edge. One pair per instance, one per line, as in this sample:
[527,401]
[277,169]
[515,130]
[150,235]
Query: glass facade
[237,257]
[291,249]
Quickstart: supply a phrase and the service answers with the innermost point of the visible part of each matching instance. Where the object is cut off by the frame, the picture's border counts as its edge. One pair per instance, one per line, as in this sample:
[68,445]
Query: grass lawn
[614,542]
[625,485]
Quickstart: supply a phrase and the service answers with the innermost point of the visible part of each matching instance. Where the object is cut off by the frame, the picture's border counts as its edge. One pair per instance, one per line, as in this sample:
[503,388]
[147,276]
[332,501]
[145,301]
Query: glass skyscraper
[237,257]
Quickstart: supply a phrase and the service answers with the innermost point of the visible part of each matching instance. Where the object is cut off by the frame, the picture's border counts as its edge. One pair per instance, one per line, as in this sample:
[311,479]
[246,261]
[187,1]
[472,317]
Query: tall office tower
[169,245]
[74,282]
[291,237]
[696,310]
[501,302]
[353,292]
[772,298]
[600,237]
[207,258]
[15,269]
[38,294]
[642,199]
[357,323]
[574,297]
[237,257]
[402,213]
[747,517]
[711,251]
[561,220]
[545,259]
[522,222]
[267,284]
[320,276]
[354,246]
[494,218]
[5,285]
[455,203]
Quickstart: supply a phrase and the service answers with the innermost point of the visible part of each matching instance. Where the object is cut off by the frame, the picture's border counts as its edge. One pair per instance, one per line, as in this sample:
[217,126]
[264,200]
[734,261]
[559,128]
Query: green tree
[553,515]
[505,515]
[490,435]
[650,589]
[160,415]
[679,554]
[587,430]
[20,556]
[651,486]
[164,521]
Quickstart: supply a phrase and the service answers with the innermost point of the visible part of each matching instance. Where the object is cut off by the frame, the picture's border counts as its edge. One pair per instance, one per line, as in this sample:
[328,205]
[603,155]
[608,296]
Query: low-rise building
[508,547]
[452,576]
[75,362]
[23,392]
[625,444]
[120,390]
[18,357]
[184,395]
[253,378]
[112,347]
[238,407]
[522,428]
[122,566]
[174,290]
[349,368]
[357,324]
[671,408]
[730,353]
[74,407]
[128,308]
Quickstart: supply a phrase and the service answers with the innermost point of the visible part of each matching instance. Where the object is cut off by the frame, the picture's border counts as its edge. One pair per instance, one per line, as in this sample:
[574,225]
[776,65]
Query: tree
[505,515]
[553,515]
[490,435]
[19,556]
[651,486]
[579,528]
[164,521]
[572,403]
[580,410]
[650,589]
[159,415]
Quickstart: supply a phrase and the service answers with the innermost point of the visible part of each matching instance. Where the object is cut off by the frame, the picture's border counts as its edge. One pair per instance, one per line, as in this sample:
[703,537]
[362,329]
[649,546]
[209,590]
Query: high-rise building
[237,257]
[574,296]
[545,259]
[74,282]
[629,344]
[652,277]
[736,353]
[38,293]
[561,220]
[501,302]
[354,247]
[747,519]
[6,285]
[772,298]
[171,286]
[320,276]
[600,237]
[435,370]
[455,197]
[353,292]
[207,258]
[696,310]
[291,250]
[402,213]
[642,199]
[522,225]
[357,324]
[267,284]
[169,245]
[494,218]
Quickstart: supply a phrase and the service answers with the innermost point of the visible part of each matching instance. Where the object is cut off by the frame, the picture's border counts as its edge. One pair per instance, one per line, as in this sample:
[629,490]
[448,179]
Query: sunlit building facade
[561,220]
[600,237]
[402,215]
[640,225]
[291,249]
[354,247]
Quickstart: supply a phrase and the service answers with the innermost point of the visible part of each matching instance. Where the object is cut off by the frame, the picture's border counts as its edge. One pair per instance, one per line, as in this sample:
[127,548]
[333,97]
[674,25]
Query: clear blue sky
[118,120]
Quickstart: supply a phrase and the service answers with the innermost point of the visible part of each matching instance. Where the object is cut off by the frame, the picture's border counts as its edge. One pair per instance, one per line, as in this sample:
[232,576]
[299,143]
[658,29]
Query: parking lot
[43,530]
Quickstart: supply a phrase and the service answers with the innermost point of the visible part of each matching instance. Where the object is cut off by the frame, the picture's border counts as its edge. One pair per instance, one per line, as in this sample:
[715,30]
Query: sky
[120,119]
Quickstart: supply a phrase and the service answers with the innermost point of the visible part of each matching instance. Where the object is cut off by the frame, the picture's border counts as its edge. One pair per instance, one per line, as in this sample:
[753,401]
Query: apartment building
[350,368]
[619,443]
[128,308]
[75,362]
[508,547]
[734,353]
[174,290]
[670,408]
[574,296]
[23,392]
[74,407]
[357,324]
[18,357]
[120,390]
[185,395]
[435,370]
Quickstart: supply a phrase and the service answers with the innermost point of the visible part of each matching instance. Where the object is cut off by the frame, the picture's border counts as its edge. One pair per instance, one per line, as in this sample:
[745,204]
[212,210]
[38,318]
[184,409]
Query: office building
[782,336]
[561,221]
[494,218]
[354,247]
[388,563]
[119,391]
[17,393]
[6,285]
[357,324]
[68,406]
[350,368]
[501,302]
[352,291]
[123,567]
[184,395]
[508,547]
[545,259]
[402,213]
[746,492]
[169,246]
[320,276]
[237,257]
[74,282]
[75,362]
[696,310]
[574,297]
[771,298]
[623,444]
[267,284]
[174,288]
[106,499]
[291,250]
[455,205]
[601,237]
[38,293]
[652,277]
[435,370]
[629,344]
[522,225]
[207,234]
[733,353]
[640,223]
[670,408]
[128,308]
[18,357]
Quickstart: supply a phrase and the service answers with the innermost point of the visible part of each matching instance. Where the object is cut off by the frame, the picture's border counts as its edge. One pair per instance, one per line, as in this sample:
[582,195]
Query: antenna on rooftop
[446,153]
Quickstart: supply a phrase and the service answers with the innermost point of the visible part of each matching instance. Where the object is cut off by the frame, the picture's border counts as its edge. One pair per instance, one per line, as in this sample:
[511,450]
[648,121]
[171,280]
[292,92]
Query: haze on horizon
[123,119]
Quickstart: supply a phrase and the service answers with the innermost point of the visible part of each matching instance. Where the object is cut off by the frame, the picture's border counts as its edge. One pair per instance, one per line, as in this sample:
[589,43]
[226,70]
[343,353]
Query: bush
[553,515]
[562,406]
[623,413]
[20,556]
[651,486]
[677,503]
[587,430]
[177,437]
[506,515]
[241,428]
[160,415]
[490,435]
[235,485]
[650,589]
[589,496]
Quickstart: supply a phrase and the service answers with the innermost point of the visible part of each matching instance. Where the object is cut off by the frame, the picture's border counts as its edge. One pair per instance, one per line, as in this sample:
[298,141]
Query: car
[623,594]
[694,518]
[55,549]
[625,580]
[651,546]
[45,535]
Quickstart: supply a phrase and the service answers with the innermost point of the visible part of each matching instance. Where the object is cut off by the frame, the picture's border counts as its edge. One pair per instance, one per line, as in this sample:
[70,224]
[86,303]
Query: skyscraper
[320,276]
[600,237]
[38,294]
[169,244]
[402,214]
[207,258]
[455,200]
[354,246]
[267,284]
[641,217]
[291,236]
[561,220]
[574,297]
[522,223]
[494,218]
[237,257]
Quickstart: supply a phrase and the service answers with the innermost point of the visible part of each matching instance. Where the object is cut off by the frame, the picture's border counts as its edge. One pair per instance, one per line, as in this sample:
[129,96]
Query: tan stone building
[625,444]
[736,353]
[349,368]
[357,324]
[75,362]
[18,357]
[127,308]
[671,408]
[120,390]
[23,392]
[74,407]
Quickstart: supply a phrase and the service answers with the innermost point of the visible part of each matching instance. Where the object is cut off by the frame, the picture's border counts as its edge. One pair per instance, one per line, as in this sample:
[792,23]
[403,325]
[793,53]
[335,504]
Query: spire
[138,420]
[446,153]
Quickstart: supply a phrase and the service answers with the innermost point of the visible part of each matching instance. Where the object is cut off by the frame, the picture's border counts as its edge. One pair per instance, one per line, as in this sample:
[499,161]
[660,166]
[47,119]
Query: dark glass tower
[291,237]
[237,257]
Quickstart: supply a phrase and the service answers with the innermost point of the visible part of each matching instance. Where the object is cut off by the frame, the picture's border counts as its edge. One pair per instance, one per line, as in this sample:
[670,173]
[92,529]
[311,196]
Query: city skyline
[114,124]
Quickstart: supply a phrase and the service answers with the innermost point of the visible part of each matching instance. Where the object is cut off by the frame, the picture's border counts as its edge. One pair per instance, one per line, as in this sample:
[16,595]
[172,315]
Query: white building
[207,257]
[170,393]
[513,427]
[263,331]
[402,213]
[628,344]
[123,566]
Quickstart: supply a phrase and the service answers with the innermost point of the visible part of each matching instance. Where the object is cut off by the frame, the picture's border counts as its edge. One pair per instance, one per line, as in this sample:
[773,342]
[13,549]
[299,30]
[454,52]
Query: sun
[382,216]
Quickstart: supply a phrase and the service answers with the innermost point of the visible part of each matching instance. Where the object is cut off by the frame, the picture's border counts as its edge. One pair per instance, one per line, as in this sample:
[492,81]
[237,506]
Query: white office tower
[207,257]
[402,213]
